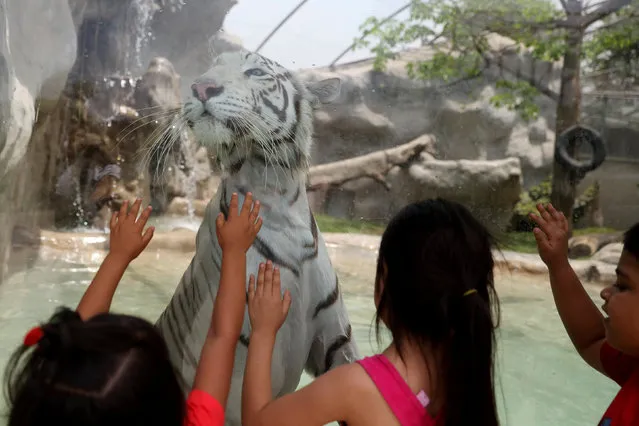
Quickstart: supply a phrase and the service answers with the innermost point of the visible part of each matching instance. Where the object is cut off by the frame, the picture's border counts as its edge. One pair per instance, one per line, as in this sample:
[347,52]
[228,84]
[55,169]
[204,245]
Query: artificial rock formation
[129,125]
[381,110]
[55,45]
[377,185]
[37,49]
[378,110]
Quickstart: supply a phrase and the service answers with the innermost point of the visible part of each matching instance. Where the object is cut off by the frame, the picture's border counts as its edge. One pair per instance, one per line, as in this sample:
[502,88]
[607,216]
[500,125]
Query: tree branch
[607,8]
[613,24]
[528,79]
[374,165]
[571,21]
[590,6]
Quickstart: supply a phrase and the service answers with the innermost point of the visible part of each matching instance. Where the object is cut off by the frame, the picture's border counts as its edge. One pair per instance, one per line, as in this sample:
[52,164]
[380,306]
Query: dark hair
[631,240]
[431,254]
[109,370]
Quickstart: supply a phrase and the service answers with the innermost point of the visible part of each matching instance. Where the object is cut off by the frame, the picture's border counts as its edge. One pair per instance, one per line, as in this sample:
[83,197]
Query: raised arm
[323,401]
[580,316]
[235,234]
[127,241]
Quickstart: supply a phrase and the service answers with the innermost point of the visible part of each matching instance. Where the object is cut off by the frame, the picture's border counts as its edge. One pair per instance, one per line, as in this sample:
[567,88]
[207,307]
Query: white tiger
[256,118]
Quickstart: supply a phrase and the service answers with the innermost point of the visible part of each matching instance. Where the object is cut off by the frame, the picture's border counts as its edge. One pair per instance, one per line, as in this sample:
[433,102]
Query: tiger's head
[247,105]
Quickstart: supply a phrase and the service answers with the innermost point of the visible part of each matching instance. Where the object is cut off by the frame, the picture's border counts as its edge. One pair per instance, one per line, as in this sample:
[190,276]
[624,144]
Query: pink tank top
[410,409]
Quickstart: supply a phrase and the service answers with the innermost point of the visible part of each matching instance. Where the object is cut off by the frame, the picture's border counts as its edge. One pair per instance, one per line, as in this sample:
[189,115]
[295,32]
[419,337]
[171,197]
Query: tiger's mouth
[234,125]
[205,115]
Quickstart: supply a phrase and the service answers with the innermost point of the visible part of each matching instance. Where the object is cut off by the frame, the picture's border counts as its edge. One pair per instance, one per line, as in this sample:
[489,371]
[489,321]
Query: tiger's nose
[205,90]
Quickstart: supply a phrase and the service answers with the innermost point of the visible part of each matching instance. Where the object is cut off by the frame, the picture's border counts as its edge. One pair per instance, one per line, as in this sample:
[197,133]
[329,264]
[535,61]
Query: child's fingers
[541,238]
[544,213]
[135,209]
[255,212]
[537,219]
[553,212]
[219,221]
[248,202]
[543,225]
[144,217]
[123,210]
[258,225]
[251,287]
[558,217]
[286,303]
[146,237]
[540,216]
[234,205]
[114,220]
[268,279]
[260,281]
[277,288]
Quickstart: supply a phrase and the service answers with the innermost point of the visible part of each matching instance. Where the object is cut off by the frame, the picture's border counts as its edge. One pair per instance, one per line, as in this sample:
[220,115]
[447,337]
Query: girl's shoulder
[354,374]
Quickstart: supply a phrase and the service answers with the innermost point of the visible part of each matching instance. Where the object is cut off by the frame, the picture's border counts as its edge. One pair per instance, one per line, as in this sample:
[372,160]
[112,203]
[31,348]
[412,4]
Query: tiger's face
[248,105]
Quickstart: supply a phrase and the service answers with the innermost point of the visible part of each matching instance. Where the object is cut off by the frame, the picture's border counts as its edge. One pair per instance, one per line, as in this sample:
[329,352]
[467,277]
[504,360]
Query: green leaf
[464,25]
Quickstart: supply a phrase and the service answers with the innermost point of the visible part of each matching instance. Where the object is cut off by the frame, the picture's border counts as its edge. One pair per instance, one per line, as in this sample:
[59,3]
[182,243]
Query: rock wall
[37,49]
[490,189]
[188,34]
[379,110]
[122,141]
[480,150]
[51,46]
[122,37]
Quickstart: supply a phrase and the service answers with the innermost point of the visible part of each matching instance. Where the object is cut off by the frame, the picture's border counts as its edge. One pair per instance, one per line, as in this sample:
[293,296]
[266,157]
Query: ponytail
[435,287]
[469,369]
[48,343]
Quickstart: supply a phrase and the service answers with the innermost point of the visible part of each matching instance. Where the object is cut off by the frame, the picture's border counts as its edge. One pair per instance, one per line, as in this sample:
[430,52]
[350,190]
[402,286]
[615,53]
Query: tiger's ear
[325,91]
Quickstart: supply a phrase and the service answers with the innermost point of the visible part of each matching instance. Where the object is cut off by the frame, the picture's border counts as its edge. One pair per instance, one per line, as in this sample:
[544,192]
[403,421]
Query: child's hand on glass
[238,231]
[127,240]
[551,235]
[267,307]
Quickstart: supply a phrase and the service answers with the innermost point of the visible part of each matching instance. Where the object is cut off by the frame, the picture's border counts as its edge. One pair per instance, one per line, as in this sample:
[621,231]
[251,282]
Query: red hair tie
[33,336]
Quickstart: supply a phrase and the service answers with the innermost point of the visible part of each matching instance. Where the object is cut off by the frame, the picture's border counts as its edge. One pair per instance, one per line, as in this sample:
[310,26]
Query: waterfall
[143,11]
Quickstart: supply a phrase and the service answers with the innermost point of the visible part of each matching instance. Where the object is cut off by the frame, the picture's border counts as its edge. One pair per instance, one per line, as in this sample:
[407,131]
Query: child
[434,291]
[609,344]
[91,367]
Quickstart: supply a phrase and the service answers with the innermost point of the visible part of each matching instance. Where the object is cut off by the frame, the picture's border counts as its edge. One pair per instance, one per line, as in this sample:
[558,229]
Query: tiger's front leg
[333,344]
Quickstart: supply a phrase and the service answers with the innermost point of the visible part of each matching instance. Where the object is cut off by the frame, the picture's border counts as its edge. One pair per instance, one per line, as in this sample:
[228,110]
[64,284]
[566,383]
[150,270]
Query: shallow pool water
[541,379]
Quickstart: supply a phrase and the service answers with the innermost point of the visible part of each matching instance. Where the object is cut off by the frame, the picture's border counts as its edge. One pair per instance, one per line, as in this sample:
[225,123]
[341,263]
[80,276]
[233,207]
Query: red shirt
[623,369]
[203,410]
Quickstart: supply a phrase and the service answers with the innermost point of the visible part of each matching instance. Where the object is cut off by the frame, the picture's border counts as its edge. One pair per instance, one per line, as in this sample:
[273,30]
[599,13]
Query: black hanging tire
[584,134]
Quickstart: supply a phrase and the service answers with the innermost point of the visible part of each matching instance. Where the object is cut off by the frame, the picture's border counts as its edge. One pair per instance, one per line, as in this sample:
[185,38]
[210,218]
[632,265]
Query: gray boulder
[37,50]
[378,110]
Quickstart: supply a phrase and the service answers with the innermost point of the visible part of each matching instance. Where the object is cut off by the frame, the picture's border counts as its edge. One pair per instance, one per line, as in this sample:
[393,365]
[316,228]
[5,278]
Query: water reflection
[541,379]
